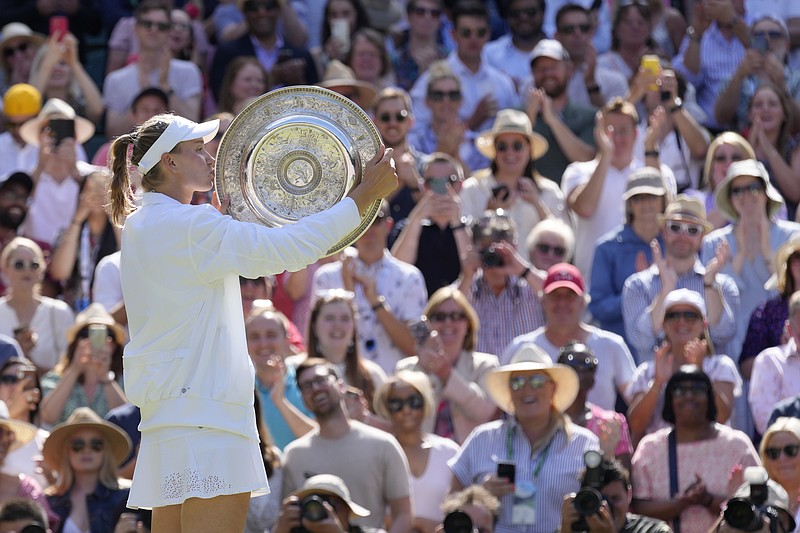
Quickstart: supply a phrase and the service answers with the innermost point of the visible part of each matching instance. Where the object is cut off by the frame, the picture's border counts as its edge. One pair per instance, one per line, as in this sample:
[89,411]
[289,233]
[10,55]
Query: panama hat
[746,167]
[530,357]
[117,441]
[23,431]
[56,108]
[333,485]
[96,314]
[684,207]
[511,121]
[14,30]
[337,74]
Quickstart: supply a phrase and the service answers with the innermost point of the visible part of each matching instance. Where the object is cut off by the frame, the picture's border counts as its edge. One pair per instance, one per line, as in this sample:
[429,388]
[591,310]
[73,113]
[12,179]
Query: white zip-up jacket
[187,361]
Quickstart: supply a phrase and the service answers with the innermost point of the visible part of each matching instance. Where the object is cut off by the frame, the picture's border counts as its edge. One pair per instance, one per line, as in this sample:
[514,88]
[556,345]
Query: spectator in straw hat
[340,78]
[683,225]
[747,198]
[13,435]
[18,46]
[545,445]
[85,452]
[21,102]
[59,169]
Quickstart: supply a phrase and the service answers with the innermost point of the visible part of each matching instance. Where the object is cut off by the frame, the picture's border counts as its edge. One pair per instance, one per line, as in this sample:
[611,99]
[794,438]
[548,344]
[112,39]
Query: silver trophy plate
[294,152]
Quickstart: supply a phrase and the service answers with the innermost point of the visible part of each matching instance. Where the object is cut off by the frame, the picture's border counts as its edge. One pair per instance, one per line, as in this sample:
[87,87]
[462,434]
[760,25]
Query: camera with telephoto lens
[490,257]
[748,513]
[312,508]
[457,522]
[588,499]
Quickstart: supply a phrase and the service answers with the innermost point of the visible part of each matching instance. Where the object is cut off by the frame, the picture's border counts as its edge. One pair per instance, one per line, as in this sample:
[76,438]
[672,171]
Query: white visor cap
[179,130]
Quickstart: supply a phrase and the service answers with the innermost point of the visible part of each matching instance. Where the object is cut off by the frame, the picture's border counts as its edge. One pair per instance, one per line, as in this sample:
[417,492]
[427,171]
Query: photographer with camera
[603,504]
[500,284]
[469,510]
[760,505]
[322,505]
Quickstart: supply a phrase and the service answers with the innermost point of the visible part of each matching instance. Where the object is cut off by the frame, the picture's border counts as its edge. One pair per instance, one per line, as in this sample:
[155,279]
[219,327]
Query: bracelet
[593,89]
[380,305]
[651,153]
[525,273]
[458,227]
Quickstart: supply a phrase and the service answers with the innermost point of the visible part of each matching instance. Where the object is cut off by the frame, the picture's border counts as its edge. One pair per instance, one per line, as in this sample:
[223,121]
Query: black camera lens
[740,513]
[588,501]
[457,522]
[313,509]
[490,257]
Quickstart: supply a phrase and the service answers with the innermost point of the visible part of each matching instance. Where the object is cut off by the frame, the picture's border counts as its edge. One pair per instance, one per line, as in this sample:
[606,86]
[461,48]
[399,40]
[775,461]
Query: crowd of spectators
[594,247]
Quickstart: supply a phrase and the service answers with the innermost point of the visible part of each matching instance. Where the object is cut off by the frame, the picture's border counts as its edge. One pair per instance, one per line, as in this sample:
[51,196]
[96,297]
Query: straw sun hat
[117,441]
[528,358]
[511,121]
[56,108]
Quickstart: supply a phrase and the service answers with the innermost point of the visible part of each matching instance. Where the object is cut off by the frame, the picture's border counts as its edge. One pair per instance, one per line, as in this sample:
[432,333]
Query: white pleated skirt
[175,464]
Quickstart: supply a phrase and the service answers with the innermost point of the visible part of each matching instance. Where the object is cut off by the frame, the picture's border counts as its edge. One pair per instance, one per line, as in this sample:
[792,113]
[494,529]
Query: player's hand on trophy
[380,179]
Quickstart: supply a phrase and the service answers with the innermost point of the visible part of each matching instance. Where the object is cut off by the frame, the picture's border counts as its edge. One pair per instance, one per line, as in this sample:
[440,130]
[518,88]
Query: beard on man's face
[12,218]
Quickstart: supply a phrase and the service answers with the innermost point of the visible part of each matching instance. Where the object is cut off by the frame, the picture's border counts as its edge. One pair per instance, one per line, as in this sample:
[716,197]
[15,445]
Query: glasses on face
[414,402]
[529,12]
[690,389]
[503,146]
[10,379]
[772,35]
[440,316]
[451,179]
[19,264]
[547,249]
[692,230]
[152,24]
[467,33]
[78,445]
[536,381]
[688,316]
[255,6]
[400,116]
[569,29]
[752,188]
[790,450]
[308,386]
[438,96]
[422,11]
[181,26]
[724,158]
[21,48]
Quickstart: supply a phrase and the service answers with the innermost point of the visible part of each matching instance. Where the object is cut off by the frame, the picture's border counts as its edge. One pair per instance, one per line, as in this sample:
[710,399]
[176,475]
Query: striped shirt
[559,474]
[643,287]
[516,310]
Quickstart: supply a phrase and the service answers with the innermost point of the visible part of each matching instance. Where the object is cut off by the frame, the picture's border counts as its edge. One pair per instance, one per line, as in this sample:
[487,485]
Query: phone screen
[507,471]
[500,192]
[59,25]
[61,128]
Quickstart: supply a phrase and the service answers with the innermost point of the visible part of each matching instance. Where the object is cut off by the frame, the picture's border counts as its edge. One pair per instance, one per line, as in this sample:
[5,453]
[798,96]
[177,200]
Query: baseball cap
[549,48]
[22,99]
[563,275]
[20,178]
[646,180]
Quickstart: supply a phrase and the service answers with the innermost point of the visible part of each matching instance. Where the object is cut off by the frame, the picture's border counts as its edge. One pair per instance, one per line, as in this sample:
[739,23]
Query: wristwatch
[677,105]
[691,33]
[380,304]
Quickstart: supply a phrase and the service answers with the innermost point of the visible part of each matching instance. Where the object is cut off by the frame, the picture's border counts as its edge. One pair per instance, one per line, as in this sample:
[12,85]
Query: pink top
[593,424]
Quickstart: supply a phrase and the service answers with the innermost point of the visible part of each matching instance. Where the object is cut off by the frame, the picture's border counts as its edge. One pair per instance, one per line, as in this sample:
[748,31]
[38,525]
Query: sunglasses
[754,188]
[10,379]
[722,158]
[790,450]
[503,146]
[151,24]
[466,33]
[414,402]
[569,29]
[451,179]
[255,6]
[422,11]
[455,316]
[78,445]
[21,48]
[536,381]
[694,389]
[772,35]
[688,316]
[692,230]
[308,386]
[19,264]
[400,116]
[546,249]
[438,96]
[530,12]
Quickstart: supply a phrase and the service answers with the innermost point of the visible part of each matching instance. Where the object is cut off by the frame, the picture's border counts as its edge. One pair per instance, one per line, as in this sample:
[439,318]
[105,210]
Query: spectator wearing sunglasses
[511,52]
[599,12]
[776,371]
[435,236]
[550,242]
[38,323]
[564,300]
[747,198]
[683,226]
[686,341]
[588,86]
[15,192]
[626,250]
[780,455]
[84,453]
[765,60]
[406,401]
[422,44]
[18,47]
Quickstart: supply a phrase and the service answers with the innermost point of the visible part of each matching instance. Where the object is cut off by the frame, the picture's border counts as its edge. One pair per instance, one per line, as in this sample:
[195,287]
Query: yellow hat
[22,99]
